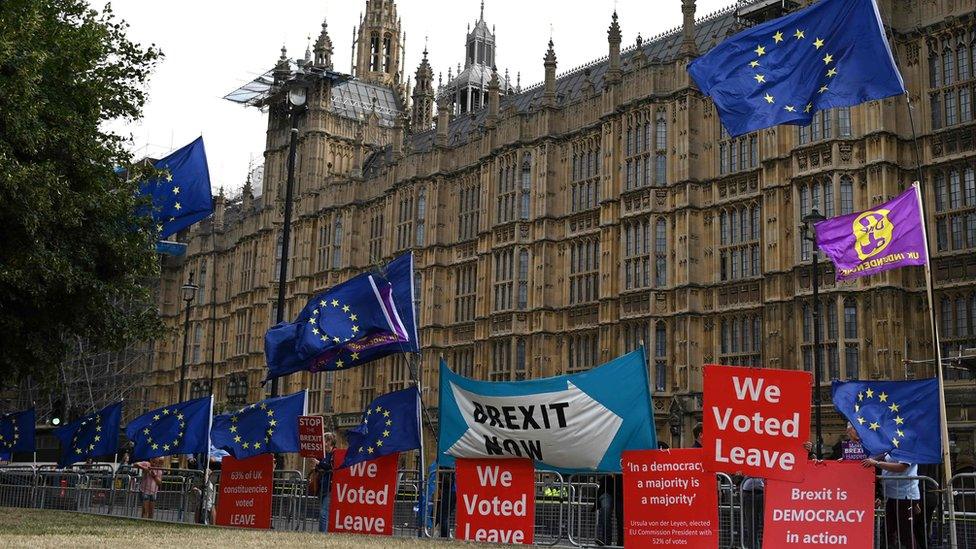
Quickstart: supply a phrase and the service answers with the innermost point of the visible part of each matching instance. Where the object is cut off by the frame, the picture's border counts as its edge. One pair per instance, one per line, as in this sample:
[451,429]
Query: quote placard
[755,421]
[832,507]
[669,499]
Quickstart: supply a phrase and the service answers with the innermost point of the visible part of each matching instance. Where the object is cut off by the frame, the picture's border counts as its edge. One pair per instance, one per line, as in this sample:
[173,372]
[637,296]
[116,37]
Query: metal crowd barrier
[583,510]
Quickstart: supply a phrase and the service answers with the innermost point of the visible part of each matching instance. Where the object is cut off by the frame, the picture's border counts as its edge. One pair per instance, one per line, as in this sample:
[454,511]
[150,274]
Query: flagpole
[421,461]
[943,418]
[206,467]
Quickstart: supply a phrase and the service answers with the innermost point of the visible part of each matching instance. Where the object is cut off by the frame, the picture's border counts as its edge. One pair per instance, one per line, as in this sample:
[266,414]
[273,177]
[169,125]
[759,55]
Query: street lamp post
[296,105]
[188,292]
[809,234]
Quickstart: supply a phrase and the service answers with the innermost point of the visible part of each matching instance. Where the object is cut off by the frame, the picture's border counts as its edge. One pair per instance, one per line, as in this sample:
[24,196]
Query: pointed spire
[481,17]
[323,48]
[613,38]
[550,58]
[688,46]
[308,49]
[549,96]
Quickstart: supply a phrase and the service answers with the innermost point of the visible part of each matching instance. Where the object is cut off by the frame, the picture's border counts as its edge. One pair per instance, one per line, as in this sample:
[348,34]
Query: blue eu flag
[181,197]
[831,54]
[17,432]
[182,428]
[264,427]
[900,418]
[91,436]
[335,328]
[391,423]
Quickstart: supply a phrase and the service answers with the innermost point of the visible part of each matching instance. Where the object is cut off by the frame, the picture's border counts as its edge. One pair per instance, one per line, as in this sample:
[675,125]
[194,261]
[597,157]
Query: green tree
[75,259]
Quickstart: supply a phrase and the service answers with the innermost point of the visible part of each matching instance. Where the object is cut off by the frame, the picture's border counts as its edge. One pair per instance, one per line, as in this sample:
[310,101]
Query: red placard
[363,495]
[495,500]
[669,499]
[755,421]
[310,437]
[832,507]
[246,487]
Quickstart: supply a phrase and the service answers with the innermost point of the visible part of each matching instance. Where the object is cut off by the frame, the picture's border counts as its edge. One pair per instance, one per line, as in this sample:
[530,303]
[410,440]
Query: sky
[212,47]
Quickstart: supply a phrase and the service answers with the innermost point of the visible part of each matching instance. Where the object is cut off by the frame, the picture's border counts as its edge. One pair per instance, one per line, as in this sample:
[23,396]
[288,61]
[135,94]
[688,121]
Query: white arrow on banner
[566,429]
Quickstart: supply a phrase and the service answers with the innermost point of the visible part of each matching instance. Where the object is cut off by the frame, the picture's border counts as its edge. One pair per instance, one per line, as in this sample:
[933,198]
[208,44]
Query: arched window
[756,226]
[846,195]
[374,45]
[962,61]
[387,54]
[337,244]
[945,317]
[807,321]
[660,252]
[948,64]
[828,202]
[660,357]
[724,228]
[202,283]
[962,323]
[421,217]
[277,266]
[850,318]
[520,359]
[197,342]
[523,279]
[526,188]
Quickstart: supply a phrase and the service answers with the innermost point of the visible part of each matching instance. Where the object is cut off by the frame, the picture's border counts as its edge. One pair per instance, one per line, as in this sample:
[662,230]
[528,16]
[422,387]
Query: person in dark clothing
[610,505]
[323,469]
[696,431]
[447,503]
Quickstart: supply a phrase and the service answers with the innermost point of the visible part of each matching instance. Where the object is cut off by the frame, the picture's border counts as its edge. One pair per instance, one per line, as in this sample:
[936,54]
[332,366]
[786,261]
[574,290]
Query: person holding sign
[901,500]
[323,478]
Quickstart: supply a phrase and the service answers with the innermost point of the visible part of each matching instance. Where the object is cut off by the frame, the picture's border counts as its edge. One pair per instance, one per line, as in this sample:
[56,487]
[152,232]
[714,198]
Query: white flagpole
[206,467]
[943,418]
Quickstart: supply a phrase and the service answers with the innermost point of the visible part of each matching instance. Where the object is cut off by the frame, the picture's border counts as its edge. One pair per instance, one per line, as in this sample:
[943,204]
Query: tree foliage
[75,260]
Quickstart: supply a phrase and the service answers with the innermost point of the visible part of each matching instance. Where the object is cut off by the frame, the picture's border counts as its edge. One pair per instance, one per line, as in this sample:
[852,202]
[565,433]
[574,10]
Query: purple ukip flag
[888,236]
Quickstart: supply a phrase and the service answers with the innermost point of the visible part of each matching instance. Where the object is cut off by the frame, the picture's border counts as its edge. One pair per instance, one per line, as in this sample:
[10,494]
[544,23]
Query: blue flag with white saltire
[833,53]
[17,431]
[900,418]
[569,423]
[182,428]
[182,196]
[268,426]
[91,436]
[391,423]
[337,328]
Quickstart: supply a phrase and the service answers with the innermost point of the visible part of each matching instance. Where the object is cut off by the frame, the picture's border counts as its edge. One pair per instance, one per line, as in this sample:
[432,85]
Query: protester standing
[610,505]
[322,477]
[152,477]
[901,500]
[696,431]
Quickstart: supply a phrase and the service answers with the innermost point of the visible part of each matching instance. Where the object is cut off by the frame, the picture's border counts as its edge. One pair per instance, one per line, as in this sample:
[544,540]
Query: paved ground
[45,528]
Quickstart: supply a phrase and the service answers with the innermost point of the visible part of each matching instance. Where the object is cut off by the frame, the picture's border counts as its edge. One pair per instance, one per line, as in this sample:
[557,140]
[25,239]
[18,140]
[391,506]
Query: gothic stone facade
[565,224]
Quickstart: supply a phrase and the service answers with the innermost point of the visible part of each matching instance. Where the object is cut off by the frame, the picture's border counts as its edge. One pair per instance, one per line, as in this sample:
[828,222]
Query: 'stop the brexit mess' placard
[756,420]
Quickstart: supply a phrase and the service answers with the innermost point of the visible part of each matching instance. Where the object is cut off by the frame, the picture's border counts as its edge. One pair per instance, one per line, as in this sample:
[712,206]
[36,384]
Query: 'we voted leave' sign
[755,421]
[495,500]
[363,496]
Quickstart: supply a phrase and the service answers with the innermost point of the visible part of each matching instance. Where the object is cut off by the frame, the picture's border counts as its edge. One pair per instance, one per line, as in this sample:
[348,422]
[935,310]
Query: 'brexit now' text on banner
[579,422]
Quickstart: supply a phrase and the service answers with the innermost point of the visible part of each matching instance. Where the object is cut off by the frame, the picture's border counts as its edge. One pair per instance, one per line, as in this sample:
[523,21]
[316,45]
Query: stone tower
[379,44]
[421,115]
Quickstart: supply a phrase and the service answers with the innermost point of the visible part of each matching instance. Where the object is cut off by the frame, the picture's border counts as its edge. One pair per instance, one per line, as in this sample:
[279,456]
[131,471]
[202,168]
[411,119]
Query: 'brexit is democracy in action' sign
[578,422]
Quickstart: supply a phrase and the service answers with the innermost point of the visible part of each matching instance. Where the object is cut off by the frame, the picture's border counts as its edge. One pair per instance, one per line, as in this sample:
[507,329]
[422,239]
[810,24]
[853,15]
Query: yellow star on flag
[339,363]
[389,423]
[386,433]
[760,51]
[233,428]
[321,303]
[900,433]
[754,64]
[831,73]
[808,108]
[273,422]
[895,442]
[768,98]
[237,438]
[335,302]
[874,426]
[156,417]
[355,329]
[369,450]
[818,43]
[760,78]
[883,397]
[790,108]
[823,89]
[828,59]
[165,446]
[345,308]
[257,445]
[354,356]
[869,393]
[177,206]
[155,447]
[799,34]
[778,37]
[899,420]
[176,190]
[893,407]
[353,318]
[246,445]
[860,420]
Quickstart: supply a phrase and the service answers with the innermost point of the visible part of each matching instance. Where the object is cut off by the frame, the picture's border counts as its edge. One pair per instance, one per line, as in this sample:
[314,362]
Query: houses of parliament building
[557,226]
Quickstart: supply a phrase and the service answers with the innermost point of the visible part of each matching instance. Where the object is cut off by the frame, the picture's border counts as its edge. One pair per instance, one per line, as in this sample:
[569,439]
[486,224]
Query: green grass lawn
[43,528]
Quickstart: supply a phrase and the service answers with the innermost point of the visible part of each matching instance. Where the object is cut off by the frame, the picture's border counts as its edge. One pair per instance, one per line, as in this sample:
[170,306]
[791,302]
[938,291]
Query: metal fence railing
[581,510]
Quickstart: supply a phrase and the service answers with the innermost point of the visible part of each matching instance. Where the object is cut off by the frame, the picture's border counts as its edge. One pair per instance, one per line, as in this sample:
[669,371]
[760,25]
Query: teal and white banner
[578,422]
